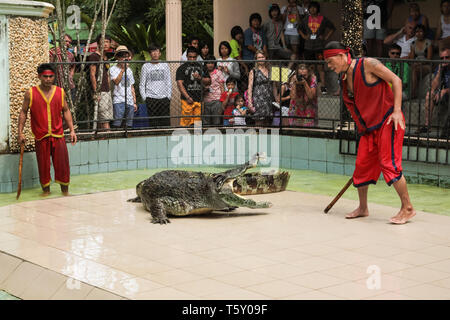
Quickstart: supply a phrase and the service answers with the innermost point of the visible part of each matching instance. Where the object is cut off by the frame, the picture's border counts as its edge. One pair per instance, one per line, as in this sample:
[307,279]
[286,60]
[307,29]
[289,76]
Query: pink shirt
[215,90]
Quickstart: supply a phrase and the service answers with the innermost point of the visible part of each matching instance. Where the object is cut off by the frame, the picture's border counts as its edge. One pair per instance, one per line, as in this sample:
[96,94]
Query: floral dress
[303,107]
[262,95]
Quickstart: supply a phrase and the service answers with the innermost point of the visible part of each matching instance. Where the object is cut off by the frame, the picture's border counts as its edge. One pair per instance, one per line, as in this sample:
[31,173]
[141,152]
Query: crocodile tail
[256,183]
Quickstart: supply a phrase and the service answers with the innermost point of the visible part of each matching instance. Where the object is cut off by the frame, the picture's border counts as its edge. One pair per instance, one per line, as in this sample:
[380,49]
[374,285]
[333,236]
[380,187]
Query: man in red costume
[376,110]
[47,103]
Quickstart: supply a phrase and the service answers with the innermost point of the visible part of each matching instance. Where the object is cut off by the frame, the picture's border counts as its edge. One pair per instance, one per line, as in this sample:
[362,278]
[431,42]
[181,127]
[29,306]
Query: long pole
[19,186]
[349,182]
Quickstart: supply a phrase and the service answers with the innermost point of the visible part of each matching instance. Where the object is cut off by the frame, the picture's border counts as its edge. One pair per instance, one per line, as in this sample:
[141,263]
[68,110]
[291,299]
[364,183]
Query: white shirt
[155,81]
[184,56]
[119,89]
[405,45]
[291,28]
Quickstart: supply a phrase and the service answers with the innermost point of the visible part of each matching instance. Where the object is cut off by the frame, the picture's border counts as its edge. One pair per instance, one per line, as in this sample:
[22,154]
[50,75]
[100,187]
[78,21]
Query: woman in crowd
[419,19]
[421,49]
[443,29]
[227,65]
[261,91]
[316,30]
[203,50]
[304,97]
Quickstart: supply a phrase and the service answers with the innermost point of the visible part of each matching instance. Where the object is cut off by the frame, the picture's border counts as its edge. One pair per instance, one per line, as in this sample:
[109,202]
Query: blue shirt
[256,39]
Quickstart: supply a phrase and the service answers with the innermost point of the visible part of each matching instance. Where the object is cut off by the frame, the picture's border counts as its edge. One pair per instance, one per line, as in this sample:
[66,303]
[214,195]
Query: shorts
[187,109]
[379,151]
[105,107]
[291,39]
[378,34]
[211,109]
[119,114]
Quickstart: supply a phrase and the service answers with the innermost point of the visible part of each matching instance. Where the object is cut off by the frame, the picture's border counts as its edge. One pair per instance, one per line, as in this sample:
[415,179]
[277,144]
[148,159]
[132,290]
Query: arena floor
[98,246]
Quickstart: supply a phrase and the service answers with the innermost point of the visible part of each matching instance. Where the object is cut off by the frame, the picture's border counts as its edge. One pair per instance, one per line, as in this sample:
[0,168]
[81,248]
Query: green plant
[138,38]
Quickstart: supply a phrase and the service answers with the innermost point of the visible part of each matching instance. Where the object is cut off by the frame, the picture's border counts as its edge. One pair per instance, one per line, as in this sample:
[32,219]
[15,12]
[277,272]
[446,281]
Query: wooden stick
[19,186]
[349,182]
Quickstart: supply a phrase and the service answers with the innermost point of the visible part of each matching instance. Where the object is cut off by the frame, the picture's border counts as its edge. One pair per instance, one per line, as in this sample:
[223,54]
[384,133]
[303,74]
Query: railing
[321,115]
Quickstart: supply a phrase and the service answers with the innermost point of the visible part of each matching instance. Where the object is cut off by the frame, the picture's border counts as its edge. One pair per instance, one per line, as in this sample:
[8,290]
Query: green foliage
[197,17]
[138,38]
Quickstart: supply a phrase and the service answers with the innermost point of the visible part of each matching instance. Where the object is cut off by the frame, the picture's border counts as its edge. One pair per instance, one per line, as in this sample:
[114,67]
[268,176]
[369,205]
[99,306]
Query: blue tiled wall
[88,157]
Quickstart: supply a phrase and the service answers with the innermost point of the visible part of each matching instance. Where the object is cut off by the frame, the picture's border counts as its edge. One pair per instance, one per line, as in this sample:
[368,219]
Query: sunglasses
[395,53]
[445,57]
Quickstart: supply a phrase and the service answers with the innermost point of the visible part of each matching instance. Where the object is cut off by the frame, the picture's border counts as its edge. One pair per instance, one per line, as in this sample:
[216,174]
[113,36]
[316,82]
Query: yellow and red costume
[47,128]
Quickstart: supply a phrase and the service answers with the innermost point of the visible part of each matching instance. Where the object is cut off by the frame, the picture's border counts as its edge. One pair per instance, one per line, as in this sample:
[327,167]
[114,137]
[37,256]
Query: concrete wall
[289,152]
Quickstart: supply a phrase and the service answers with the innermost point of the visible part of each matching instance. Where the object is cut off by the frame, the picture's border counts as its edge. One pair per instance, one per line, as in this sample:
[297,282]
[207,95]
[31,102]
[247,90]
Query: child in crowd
[211,99]
[228,100]
[240,111]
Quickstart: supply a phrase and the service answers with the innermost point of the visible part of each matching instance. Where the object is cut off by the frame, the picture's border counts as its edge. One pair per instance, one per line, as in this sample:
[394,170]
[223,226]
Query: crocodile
[182,193]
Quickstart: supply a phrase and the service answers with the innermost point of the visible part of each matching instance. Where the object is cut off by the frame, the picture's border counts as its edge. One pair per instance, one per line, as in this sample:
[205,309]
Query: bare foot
[403,216]
[65,194]
[357,213]
[45,193]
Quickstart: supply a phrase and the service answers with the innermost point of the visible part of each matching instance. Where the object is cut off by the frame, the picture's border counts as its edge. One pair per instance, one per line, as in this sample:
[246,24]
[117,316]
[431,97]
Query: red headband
[328,53]
[47,73]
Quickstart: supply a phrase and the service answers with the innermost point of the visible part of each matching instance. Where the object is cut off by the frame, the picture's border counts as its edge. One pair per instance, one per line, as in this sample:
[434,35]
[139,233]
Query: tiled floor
[290,251]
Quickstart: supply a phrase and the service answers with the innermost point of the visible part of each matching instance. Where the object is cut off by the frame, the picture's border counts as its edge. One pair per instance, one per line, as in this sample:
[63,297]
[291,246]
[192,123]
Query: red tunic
[380,145]
[371,103]
[47,128]
[46,119]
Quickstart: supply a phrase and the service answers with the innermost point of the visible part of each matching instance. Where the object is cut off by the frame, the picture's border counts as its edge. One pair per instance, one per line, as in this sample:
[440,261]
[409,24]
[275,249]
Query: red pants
[56,149]
[379,151]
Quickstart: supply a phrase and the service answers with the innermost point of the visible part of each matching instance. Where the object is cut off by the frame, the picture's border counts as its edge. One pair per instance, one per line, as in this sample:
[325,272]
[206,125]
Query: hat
[121,49]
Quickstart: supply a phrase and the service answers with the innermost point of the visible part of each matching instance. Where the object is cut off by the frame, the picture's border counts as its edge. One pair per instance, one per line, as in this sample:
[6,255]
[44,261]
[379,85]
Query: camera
[300,77]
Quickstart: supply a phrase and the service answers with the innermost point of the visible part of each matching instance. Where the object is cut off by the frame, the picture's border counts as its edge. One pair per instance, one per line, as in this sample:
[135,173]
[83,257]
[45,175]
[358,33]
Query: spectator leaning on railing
[55,55]
[124,96]
[401,69]
[304,97]
[440,86]
[190,81]
[156,88]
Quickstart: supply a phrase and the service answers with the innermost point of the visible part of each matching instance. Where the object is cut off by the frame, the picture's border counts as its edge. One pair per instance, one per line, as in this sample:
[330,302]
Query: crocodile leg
[158,212]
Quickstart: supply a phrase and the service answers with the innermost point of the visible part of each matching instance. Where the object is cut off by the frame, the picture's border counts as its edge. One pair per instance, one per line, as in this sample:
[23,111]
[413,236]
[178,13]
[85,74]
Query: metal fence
[160,106]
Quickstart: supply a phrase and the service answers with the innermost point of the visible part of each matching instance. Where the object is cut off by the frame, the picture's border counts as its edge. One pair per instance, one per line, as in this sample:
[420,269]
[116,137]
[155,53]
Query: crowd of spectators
[238,86]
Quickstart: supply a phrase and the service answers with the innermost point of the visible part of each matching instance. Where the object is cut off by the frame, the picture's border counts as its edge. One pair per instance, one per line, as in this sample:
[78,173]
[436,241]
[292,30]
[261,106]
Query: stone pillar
[23,46]
[174,50]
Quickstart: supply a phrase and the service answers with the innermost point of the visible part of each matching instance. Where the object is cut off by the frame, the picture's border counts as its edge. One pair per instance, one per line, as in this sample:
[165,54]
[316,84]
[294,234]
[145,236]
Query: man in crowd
[440,86]
[55,55]
[404,38]
[101,90]
[194,41]
[254,38]
[156,88]
[190,81]
[47,104]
